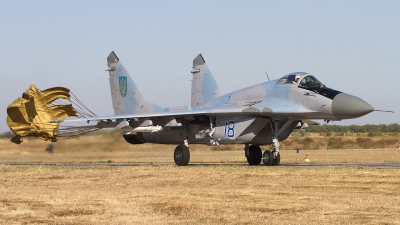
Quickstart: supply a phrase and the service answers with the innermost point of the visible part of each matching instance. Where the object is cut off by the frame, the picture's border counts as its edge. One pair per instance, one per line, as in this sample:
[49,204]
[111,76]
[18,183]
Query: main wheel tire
[181,155]
[267,158]
[255,154]
[276,160]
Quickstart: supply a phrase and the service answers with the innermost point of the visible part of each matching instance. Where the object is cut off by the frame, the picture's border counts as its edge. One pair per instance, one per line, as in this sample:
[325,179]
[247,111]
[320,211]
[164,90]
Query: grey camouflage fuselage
[253,115]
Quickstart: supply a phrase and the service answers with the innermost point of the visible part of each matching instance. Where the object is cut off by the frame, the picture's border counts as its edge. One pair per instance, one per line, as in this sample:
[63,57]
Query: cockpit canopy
[308,82]
[301,79]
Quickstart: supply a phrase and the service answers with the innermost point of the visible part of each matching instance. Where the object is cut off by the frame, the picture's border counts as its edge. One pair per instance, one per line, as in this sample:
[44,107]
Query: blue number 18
[230,129]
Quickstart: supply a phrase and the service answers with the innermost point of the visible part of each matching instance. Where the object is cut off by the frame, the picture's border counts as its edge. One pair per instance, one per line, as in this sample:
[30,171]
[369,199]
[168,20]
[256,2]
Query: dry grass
[203,194]
[198,195]
[115,149]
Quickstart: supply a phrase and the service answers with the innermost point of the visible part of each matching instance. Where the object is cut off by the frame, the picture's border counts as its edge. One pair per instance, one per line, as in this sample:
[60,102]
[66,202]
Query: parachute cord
[73,133]
[83,113]
[77,105]
[81,110]
[79,101]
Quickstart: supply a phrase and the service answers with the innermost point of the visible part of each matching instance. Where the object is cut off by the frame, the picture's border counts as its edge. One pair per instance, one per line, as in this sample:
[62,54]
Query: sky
[350,46]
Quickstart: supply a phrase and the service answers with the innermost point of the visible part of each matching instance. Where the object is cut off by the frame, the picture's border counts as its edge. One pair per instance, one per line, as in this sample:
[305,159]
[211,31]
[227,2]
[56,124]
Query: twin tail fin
[204,86]
[126,96]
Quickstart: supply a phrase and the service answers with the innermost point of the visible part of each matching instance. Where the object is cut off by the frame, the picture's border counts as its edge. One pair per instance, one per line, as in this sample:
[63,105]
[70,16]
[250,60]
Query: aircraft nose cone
[346,106]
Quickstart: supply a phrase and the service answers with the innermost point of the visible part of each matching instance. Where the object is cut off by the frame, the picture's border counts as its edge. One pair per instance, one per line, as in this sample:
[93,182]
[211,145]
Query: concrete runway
[395,165]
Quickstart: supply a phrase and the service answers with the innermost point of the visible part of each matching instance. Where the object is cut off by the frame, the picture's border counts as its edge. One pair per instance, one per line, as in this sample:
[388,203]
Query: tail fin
[204,87]
[126,96]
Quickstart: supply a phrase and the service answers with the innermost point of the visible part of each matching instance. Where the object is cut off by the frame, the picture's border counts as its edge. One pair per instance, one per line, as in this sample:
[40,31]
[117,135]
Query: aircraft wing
[212,111]
[179,114]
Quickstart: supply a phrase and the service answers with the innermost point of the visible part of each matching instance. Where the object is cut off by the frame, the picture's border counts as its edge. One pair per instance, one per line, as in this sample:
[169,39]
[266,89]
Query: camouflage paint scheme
[254,115]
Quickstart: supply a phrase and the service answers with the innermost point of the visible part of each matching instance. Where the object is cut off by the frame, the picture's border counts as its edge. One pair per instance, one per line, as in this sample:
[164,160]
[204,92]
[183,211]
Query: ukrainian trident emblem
[123,85]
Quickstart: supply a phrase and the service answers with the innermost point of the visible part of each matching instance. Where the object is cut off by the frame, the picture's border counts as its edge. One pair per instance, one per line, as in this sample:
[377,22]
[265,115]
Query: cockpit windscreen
[310,82]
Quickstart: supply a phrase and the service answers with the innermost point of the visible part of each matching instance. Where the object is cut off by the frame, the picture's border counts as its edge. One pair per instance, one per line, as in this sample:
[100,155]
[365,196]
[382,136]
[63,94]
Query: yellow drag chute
[30,115]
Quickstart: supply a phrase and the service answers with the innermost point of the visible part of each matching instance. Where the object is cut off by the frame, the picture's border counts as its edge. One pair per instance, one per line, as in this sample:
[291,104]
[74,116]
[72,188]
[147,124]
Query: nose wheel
[270,160]
[267,158]
[276,160]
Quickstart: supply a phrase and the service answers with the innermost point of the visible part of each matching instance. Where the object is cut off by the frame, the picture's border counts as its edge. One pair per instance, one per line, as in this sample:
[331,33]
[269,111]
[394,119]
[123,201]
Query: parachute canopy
[30,115]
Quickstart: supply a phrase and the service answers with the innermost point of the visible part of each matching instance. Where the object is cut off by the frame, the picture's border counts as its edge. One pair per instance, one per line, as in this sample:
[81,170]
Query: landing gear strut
[182,153]
[272,158]
[275,154]
[276,160]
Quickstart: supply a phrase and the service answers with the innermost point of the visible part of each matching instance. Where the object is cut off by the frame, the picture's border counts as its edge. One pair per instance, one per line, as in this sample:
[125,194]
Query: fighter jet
[254,116]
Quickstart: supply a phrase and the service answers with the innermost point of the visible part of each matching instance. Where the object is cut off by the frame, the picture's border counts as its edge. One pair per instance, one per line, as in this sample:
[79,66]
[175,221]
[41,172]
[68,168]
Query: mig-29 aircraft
[258,115]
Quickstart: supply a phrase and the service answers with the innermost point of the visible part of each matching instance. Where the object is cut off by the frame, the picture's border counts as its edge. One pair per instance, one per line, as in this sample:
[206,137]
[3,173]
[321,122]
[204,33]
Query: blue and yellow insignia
[123,85]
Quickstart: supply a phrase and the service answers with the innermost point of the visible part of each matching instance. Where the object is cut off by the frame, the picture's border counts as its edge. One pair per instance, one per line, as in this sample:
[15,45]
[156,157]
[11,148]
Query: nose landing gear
[254,155]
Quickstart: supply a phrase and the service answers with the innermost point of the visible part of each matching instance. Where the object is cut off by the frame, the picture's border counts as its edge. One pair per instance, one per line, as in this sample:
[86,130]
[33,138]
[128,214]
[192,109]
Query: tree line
[368,128]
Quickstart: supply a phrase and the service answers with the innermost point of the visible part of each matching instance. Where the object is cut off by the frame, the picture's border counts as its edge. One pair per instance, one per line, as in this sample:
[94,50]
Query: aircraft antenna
[267,76]
[379,110]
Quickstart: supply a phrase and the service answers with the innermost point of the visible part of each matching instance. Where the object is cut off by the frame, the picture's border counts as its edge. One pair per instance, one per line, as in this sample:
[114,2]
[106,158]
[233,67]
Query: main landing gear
[181,155]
